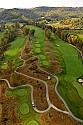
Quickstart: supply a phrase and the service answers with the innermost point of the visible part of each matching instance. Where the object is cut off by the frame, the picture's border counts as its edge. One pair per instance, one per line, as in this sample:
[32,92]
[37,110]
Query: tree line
[70,38]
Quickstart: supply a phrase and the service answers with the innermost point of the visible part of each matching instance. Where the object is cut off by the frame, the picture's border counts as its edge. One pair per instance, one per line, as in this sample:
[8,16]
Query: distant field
[60,25]
[77,32]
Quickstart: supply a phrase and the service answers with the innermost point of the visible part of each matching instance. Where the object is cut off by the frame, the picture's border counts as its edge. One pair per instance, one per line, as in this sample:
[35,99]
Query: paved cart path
[50,105]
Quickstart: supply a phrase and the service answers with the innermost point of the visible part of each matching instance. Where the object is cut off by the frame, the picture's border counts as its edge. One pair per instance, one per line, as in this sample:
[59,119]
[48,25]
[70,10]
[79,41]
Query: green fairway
[74,67]
[24,108]
[22,92]
[39,47]
[68,86]
[13,52]
[15,46]
[33,123]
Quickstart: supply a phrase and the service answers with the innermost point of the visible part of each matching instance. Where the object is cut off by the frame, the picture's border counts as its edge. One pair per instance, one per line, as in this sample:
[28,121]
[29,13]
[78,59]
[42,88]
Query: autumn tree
[48,33]
[25,30]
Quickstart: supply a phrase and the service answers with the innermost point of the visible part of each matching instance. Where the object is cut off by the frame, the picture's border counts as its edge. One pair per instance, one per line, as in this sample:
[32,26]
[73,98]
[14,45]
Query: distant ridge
[58,13]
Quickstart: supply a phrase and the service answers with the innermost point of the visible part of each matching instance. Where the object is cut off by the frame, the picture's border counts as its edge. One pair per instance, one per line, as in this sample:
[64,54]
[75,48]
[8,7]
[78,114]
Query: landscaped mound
[24,108]
[22,92]
[33,123]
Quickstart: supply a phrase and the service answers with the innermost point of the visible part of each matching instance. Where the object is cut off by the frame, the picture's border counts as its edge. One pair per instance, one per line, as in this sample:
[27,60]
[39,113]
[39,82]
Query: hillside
[52,13]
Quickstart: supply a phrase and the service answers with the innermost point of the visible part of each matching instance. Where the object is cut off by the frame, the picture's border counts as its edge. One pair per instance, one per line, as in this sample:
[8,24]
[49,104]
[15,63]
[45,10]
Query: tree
[32,32]
[48,33]
[17,25]
[25,30]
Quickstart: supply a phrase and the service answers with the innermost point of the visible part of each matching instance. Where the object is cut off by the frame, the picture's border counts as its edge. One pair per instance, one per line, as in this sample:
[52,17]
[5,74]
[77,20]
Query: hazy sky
[35,3]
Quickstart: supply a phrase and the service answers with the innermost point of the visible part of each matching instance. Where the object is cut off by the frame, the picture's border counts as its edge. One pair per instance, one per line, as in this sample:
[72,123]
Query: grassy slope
[13,51]
[68,88]
[38,44]
[15,46]
[74,67]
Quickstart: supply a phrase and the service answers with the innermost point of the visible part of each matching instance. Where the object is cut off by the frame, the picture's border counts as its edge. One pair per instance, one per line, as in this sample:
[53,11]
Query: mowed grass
[74,67]
[39,47]
[15,46]
[22,92]
[68,87]
[14,51]
[32,123]
[24,108]
[37,50]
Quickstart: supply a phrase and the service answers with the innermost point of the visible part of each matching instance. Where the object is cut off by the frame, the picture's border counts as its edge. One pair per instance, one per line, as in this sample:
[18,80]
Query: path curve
[47,95]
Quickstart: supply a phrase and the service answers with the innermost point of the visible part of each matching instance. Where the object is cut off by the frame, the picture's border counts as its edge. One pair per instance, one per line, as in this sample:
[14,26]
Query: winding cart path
[50,105]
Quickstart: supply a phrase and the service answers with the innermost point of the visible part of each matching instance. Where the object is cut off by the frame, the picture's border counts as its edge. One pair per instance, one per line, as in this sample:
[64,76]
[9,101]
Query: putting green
[9,93]
[32,123]
[24,108]
[22,92]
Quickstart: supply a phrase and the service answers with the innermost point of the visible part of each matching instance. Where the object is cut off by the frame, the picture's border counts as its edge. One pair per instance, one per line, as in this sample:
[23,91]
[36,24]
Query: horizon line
[42,6]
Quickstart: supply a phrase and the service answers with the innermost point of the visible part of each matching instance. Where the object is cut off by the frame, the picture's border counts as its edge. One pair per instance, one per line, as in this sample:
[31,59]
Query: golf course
[33,87]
